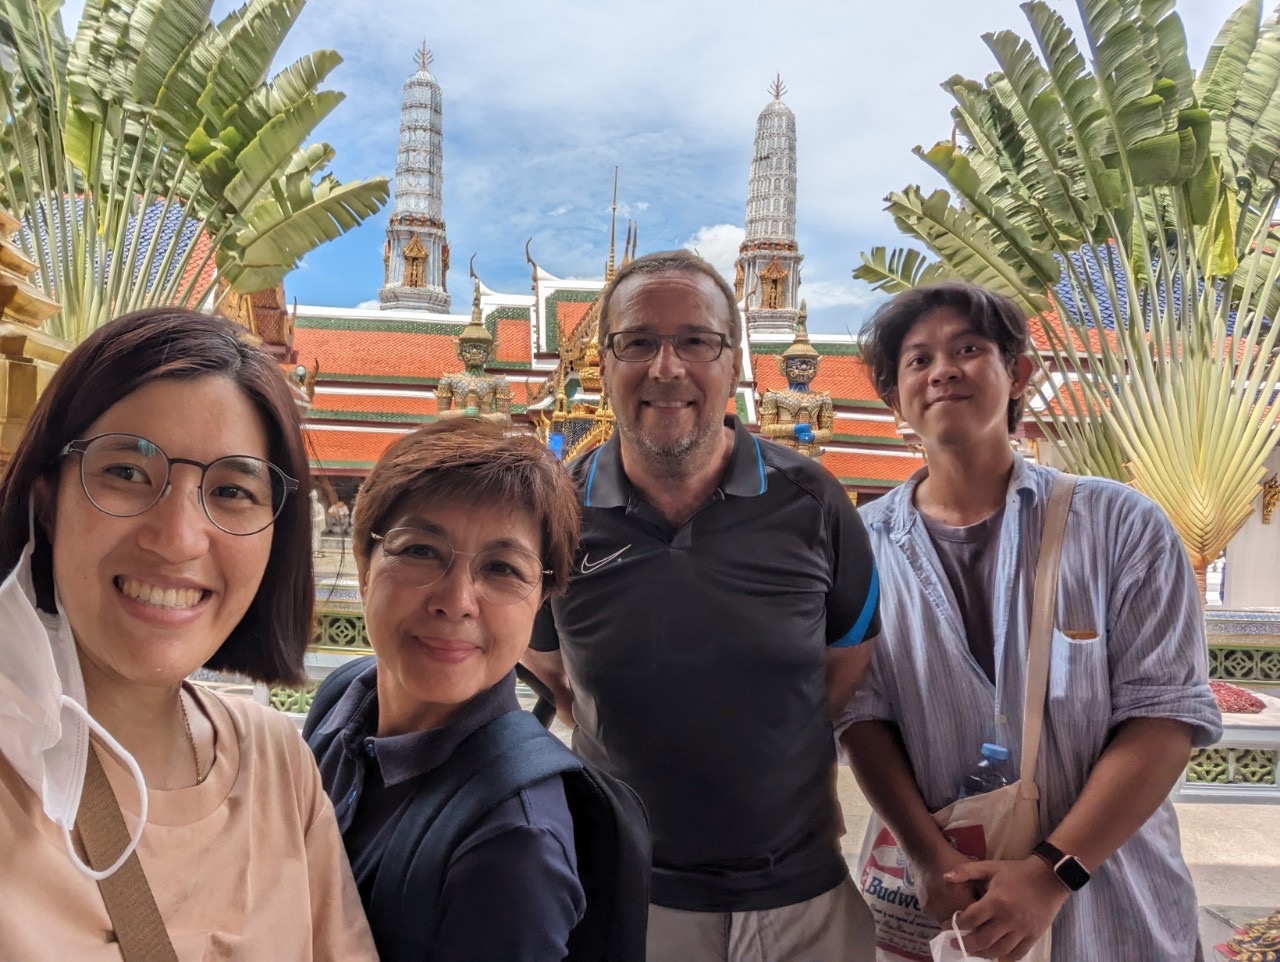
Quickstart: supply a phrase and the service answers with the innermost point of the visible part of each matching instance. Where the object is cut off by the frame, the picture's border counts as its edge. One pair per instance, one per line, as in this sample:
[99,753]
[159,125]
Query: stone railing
[1244,648]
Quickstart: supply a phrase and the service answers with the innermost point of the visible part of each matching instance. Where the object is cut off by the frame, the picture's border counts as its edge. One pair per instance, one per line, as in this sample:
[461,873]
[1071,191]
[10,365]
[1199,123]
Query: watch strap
[1069,869]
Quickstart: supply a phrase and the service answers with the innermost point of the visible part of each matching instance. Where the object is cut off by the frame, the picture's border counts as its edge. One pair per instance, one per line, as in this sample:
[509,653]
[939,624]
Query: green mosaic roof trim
[328,376]
[390,417]
[509,365]
[846,402]
[379,326]
[869,439]
[740,404]
[868,483]
[507,314]
[835,350]
[318,465]
[553,303]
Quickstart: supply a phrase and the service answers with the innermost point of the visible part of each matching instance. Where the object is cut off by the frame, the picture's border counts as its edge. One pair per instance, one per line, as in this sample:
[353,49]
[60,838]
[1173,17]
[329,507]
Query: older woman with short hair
[461,531]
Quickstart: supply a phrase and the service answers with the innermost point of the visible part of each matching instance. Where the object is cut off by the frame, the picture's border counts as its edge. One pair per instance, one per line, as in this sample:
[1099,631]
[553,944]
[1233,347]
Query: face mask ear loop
[956,931]
[134,770]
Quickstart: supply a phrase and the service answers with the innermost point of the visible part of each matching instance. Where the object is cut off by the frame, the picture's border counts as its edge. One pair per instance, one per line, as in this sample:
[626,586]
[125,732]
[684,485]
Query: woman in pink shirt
[154,520]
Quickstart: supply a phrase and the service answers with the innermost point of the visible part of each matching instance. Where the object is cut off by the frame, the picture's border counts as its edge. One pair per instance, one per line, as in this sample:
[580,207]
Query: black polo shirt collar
[607,486]
[402,757]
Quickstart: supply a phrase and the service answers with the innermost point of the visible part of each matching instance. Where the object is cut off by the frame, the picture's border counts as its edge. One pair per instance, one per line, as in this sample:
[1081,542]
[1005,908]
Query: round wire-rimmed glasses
[123,475]
[503,574]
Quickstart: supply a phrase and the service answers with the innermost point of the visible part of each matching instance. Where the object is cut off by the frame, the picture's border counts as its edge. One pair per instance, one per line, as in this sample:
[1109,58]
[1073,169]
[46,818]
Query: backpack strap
[326,699]
[491,765]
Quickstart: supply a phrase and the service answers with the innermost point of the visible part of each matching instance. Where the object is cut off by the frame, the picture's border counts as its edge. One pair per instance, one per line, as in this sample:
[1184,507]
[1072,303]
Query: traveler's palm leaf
[1150,191]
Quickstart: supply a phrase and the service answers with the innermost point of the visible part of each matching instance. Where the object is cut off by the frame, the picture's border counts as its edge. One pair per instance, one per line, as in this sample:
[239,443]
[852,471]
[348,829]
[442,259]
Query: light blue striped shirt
[1124,579]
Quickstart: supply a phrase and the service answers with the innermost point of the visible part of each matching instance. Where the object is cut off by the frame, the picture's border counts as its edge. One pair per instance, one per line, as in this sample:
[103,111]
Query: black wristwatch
[1069,869]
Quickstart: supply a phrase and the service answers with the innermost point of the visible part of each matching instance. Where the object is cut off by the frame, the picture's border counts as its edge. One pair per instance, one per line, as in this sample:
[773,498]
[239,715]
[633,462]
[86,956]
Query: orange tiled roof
[420,406]
[1040,340]
[850,465]
[569,315]
[376,354]
[1069,399]
[843,376]
[513,341]
[519,392]
[867,428]
[208,271]
[337,449]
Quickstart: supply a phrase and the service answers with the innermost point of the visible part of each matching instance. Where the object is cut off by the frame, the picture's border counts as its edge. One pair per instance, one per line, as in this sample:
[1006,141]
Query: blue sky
[542,99]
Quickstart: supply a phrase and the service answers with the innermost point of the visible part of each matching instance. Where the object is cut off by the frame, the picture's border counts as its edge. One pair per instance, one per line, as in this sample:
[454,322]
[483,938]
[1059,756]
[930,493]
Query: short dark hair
[480,462]
[122,356]
[670,262]
[993,316]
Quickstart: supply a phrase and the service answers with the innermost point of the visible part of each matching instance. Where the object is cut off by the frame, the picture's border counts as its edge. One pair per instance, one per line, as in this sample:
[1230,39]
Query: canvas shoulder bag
[1003,824]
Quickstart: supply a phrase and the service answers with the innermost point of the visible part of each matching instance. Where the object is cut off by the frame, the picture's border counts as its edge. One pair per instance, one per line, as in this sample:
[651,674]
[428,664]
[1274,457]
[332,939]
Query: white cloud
[718,245]
[824,294]
[532,135]
[369,305]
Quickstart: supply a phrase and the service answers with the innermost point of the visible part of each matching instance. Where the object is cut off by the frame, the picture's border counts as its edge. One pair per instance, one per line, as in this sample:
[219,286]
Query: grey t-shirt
[968,556]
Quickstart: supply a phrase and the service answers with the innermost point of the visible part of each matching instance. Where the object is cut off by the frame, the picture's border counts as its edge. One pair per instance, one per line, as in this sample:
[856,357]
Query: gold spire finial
[626,244]
[423,56]
[613,227]
[800,345]
[778,88]
[475,297]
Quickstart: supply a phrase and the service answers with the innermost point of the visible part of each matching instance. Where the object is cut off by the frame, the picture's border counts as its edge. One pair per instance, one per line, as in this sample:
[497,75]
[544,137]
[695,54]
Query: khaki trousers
[834,927]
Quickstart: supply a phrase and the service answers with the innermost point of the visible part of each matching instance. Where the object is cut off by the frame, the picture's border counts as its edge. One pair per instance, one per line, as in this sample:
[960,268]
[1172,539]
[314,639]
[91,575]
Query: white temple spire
[768,273]
[416,254]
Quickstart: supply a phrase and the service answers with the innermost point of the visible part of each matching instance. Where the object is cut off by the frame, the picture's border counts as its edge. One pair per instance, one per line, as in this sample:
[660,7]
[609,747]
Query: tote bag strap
[134,915]
[1044,604]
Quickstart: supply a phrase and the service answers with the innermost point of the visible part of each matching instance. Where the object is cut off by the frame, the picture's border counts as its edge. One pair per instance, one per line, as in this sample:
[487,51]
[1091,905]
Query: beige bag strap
[1044,604]
[134,915]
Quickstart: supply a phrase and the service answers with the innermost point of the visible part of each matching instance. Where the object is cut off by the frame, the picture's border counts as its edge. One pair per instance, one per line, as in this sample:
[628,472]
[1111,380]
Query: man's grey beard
[675,459]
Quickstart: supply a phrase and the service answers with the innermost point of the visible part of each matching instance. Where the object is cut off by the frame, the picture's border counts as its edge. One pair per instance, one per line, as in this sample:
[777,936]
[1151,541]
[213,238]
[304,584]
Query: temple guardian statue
[798,417]
[473,392]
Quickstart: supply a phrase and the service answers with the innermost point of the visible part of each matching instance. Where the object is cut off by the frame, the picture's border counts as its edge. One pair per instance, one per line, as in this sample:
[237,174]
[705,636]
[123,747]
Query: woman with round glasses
[150,525]
[461,530]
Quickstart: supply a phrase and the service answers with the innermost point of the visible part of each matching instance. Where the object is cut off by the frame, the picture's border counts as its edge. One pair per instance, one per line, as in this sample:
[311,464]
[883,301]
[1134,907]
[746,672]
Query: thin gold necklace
[186,723]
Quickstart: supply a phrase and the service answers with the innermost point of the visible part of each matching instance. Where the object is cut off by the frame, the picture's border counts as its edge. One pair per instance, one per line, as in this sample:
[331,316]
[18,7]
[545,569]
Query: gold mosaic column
[28,356]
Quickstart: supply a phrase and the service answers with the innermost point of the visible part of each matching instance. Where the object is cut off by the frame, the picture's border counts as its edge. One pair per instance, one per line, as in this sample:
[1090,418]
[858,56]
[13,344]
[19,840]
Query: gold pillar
[28,356]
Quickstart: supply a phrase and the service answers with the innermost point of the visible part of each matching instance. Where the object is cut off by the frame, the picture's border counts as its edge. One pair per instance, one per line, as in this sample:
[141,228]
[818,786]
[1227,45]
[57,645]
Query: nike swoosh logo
[589,566]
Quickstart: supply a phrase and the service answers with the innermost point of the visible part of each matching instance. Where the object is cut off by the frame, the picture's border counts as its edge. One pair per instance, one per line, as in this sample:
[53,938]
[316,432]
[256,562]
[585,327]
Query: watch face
[1072,873]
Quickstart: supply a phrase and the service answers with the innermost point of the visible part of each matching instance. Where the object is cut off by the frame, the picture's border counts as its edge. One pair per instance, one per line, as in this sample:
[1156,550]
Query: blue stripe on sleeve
[856,634]
[592,476]
[760,463]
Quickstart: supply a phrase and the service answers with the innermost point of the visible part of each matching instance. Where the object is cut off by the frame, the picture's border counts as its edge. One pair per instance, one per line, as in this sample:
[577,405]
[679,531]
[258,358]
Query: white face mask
[44,724]
[948,945]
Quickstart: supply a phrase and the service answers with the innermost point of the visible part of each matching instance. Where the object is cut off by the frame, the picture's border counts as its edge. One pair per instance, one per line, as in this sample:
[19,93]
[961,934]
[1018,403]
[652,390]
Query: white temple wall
[1253,558]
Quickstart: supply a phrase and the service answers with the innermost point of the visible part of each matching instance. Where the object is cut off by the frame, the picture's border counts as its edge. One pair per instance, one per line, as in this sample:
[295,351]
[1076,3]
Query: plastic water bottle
[991,771]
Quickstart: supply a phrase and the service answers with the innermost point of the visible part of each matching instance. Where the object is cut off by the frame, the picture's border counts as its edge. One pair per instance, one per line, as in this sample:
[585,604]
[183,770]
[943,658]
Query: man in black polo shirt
[723,598]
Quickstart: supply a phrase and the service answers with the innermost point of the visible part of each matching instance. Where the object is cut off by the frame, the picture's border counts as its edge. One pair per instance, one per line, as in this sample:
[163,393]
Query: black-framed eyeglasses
[123,475]
[697,346]
[503,574]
